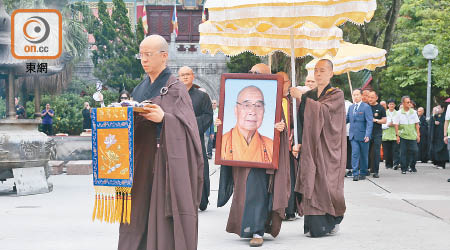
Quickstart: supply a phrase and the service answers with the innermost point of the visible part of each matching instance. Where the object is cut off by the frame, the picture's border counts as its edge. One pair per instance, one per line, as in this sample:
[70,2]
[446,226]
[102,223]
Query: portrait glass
[250,105]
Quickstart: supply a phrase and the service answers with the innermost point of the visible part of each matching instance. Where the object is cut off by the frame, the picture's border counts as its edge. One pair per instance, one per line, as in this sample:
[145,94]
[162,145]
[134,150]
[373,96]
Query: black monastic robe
[422,155]
[204,115]
[438,148]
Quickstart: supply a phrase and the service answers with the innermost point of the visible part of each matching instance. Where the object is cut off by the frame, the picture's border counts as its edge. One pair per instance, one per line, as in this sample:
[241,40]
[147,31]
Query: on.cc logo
[37,25]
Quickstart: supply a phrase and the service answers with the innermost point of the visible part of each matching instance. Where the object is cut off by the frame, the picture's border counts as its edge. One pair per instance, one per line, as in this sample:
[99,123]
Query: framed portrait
[249,107]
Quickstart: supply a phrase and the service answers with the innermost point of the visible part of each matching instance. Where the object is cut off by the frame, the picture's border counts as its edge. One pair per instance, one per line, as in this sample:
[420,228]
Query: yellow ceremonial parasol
[289,13]
[242,24]
[354,57]
[308,39]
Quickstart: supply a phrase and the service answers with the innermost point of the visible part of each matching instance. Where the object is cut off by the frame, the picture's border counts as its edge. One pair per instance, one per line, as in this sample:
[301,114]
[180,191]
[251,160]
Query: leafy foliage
[114,58]
[421,22]
[69,105]
[242,63]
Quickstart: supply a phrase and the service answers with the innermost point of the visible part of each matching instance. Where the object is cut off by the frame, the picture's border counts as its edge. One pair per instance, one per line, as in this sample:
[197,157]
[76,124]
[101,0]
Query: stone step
[56,167]
[79,167]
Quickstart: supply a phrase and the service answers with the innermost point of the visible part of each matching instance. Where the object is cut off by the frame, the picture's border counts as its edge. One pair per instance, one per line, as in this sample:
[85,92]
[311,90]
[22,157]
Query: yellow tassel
[125,209]
[119,211]
[111,209]
[128,208]
[107,208]
[116,208]
[95,207]
[102,209]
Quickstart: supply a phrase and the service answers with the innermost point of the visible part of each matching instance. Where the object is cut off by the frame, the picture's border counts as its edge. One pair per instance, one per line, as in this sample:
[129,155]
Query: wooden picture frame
[256,152]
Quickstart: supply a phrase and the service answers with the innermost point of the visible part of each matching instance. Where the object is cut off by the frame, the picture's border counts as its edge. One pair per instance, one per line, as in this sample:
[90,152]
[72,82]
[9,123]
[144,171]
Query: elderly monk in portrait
[168,175]
[244,142]
[260,196]
[323,156]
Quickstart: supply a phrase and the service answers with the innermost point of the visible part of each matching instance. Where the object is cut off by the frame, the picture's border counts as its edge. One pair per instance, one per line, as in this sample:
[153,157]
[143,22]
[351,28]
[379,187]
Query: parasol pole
[270,62]
[350,83]
[294,100]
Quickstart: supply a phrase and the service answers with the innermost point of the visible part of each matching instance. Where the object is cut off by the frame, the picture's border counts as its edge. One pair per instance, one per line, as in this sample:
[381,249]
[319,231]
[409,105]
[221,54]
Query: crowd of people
[404,135]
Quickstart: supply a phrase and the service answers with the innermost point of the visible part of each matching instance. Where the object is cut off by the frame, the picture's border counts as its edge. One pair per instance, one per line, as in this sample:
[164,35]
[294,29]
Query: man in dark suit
[360,117]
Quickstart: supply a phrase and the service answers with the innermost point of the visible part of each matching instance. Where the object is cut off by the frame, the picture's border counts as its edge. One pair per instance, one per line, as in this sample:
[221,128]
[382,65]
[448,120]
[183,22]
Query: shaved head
[250,88]
[260,68]
[155,41]
[328,62]
[153,52]
[310,81]
[286,83]
[186,75]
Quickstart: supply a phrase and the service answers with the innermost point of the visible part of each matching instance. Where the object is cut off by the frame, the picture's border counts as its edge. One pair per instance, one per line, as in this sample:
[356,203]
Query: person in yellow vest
[390,146]
[408,135]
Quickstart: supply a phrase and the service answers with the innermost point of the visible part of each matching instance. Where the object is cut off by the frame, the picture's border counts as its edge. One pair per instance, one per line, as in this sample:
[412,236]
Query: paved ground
[397,211]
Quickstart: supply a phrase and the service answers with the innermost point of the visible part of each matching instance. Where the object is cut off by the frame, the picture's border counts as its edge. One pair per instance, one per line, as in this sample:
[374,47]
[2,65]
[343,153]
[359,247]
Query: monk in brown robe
[260,195]
[168,175]
[243,142]
[288,94]
[323,155]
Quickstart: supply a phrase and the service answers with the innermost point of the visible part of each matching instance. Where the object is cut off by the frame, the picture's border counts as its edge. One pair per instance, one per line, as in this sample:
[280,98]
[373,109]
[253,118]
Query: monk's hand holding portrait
[153,113]
[217,122]
[280,126]
[296,150]
[295,93]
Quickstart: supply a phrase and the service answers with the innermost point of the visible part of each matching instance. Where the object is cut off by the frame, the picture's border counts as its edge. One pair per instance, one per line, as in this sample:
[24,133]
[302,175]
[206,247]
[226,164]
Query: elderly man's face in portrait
[249,109]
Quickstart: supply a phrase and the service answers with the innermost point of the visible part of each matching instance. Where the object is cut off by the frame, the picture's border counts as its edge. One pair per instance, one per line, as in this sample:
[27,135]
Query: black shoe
[376,175]
[448,180]
[209,157]
[410,170]
[395,167]
[413,170]
[349,174]
[362,177]
[355,178]
[403,172]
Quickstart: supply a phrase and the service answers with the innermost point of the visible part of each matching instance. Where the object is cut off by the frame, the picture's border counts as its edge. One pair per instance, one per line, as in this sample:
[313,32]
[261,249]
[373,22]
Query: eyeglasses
[247,105]
[143,55]
[254,72]
[123,97]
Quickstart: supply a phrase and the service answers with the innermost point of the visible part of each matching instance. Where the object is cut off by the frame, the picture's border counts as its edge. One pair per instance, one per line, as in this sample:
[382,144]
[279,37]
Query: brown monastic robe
[167,183]
[323,155]
[279,190]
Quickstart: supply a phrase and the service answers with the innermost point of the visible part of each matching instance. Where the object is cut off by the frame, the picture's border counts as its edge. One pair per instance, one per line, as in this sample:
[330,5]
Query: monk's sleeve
[204,120]
[300,119]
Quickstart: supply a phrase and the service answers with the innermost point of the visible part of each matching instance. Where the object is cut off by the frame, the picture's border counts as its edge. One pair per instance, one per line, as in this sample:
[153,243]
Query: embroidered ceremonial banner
[112,160]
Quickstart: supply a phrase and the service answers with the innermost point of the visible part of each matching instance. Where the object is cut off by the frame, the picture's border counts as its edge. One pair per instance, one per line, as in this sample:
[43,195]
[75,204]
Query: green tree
[242,63]
[114,59]
[421,22]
